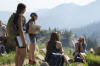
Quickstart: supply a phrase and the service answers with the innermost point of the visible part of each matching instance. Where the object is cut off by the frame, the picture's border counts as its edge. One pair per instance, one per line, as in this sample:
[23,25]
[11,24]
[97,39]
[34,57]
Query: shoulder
[58,43]
[76,43]
[30,22]
[20,16]
[24,18]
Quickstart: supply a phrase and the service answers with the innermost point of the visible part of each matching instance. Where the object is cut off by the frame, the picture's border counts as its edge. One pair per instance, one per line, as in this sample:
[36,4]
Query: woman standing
[15,27]
[33,30]
[19,20]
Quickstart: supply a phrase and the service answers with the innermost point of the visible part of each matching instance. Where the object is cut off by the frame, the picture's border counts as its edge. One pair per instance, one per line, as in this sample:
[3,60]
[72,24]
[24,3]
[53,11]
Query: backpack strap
[15,21]
[27,25]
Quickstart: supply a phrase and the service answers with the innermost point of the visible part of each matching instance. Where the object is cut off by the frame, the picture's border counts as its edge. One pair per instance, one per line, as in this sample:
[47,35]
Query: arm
[21,30]
[76,47]
[81,47]
[30,28]
[59,46]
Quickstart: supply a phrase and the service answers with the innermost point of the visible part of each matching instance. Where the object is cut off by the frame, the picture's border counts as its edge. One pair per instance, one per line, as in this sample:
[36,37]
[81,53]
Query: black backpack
[55,60]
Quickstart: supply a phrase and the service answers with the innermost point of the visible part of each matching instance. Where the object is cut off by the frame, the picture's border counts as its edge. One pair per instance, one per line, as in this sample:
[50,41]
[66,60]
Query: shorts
[33,38]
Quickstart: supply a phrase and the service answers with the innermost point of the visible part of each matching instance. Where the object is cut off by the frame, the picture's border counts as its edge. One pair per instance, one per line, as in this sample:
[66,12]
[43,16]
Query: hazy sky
[33,5]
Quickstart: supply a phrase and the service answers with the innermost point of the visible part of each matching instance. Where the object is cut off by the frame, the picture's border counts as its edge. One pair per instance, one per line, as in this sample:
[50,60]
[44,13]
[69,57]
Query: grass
[41,46]
[7,59]
[91,58]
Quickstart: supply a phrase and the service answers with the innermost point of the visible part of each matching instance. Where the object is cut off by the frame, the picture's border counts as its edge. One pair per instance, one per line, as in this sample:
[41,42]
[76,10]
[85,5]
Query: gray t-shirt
[2,31]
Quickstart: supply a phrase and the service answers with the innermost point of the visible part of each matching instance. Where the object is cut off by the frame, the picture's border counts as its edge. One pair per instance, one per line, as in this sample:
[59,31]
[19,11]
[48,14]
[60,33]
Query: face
[23,11]
[34,17]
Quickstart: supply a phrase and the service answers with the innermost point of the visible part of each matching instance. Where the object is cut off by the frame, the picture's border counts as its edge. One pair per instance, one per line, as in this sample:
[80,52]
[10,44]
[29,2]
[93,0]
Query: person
[33,30]
[91,50]
[3,37]
[16,25]
[80,49]
[3,34]
[54,46]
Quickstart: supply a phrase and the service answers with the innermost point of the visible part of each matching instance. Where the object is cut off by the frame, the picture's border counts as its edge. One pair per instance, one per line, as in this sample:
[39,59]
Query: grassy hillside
[92,59]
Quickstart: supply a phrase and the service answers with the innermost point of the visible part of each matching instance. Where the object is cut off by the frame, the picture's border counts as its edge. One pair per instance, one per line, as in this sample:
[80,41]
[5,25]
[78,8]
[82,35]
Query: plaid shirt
[2,31]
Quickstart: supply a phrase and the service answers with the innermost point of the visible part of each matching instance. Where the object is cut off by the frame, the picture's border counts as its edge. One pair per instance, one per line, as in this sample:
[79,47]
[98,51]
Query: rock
[43,51]
[40,57]
[38,54]
[44,64]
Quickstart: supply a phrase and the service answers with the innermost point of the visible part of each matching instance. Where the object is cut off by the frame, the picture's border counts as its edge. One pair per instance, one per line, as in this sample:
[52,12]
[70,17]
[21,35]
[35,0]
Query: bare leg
[76,54]
[31,52]
[16,57]
[82,56]
[66,59]
[20,56]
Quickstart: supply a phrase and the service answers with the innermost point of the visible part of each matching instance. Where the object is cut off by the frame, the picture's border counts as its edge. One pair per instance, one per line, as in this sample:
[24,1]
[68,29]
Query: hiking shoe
[84,61]
[32,62]
[70,60]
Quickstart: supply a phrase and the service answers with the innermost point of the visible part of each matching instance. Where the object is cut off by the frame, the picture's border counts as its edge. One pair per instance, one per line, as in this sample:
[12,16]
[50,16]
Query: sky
[34,5]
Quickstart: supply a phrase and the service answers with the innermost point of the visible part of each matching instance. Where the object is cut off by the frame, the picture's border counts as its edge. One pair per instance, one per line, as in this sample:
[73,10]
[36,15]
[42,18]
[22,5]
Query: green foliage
[65,35]
[41,46]
[91,43]
[93,59]
[66,38]
[7,59]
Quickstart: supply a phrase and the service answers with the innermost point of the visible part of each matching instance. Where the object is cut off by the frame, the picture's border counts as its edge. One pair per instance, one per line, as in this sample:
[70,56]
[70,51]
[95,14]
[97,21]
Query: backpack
[12,29]
[55,59]
[27,27]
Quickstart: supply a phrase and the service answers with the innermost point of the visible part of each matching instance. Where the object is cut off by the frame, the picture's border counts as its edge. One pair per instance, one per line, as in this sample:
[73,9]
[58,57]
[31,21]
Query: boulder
[44,64]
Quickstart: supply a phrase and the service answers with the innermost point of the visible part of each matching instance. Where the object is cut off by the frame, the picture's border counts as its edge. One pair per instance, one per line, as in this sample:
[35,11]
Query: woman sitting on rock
[54,49]
[80,49]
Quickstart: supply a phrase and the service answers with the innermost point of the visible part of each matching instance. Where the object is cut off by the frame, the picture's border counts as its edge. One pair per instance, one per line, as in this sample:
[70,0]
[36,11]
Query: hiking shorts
[33,38]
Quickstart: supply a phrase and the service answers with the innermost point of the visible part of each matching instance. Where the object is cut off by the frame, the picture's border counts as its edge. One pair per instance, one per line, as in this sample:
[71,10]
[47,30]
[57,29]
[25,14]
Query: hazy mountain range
[91,30]
[70,15]
[64,16]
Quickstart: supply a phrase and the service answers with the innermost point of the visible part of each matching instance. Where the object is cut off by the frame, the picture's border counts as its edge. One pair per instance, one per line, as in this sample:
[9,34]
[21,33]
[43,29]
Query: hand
[81,43]
[24,44]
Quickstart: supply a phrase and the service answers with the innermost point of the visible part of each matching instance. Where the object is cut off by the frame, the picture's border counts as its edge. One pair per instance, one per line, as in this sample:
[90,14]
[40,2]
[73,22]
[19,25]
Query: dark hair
[33,14]
[20,7]
[54,37]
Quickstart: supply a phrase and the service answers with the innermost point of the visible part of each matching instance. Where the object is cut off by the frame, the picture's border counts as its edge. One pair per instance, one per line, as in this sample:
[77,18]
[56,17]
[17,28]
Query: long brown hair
[54,37]
[20,7]
[82,39]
